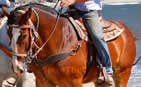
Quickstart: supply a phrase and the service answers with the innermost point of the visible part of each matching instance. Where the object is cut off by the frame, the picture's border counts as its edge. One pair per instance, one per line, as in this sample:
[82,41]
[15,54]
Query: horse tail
[137,61]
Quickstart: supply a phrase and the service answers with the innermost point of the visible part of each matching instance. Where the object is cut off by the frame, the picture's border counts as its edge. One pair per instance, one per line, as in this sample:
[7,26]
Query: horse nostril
[21,71]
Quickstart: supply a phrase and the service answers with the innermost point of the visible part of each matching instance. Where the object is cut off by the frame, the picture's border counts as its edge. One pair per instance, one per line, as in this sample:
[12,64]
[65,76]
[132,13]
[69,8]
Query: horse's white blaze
[16,33]
[21,11]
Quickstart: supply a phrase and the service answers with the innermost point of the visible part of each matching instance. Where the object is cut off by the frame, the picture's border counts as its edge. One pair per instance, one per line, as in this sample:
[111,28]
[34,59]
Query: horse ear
[26,16]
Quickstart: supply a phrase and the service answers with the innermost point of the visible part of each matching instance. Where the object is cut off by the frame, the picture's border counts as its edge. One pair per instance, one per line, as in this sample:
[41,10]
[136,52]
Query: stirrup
[104,77]
[102,74]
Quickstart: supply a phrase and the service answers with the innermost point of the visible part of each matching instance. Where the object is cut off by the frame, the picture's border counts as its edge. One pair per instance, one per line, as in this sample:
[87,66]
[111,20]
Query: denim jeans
[94,27]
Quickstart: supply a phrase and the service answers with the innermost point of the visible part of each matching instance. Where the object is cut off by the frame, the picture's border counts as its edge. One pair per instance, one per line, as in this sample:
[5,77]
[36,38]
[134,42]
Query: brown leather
[108,26]
[105,24]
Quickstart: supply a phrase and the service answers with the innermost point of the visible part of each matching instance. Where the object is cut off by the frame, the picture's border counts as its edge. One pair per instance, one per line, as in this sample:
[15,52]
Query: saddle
[110,30]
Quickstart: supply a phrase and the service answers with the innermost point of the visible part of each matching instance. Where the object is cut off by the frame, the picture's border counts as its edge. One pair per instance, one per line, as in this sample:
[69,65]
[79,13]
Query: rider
[88,10]
[6,6]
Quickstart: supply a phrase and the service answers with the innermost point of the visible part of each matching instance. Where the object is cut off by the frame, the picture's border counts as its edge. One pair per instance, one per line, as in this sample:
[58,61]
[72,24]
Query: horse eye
[23,29]
[24,36]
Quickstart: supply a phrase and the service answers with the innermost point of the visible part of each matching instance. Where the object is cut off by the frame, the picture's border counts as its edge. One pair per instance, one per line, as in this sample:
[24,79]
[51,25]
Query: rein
[53,30]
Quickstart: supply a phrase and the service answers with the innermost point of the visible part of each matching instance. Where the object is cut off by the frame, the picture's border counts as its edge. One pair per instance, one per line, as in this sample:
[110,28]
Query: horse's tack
[37,16]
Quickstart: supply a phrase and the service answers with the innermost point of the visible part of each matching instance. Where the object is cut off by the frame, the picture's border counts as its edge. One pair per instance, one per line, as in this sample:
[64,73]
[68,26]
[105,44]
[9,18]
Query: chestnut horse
[38,35]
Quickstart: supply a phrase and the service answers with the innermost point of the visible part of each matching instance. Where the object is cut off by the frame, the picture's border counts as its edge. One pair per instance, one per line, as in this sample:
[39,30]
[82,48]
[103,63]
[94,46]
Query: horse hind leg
[104,85]
[121,77]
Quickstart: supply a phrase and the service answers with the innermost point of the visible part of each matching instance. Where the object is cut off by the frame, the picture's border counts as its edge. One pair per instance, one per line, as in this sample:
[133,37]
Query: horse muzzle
[19,66]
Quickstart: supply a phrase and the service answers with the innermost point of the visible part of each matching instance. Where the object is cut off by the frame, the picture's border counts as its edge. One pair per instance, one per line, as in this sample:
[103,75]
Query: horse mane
[14,14]
[37,5]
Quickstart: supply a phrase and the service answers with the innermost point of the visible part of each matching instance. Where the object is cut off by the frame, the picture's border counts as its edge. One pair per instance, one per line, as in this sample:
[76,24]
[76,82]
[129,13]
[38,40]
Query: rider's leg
[92,23]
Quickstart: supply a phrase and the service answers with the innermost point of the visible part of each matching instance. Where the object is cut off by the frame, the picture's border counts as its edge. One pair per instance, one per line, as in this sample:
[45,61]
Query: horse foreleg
[40,84]
[121,78]
[99,85]
[77,83]
[103,85]
[71,83]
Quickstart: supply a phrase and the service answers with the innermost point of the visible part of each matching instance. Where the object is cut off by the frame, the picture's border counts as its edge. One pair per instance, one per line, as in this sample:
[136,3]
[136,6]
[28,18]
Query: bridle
[33,35]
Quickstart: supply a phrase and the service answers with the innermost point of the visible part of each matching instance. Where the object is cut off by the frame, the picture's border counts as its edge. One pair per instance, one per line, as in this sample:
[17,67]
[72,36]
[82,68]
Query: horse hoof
[110,81]
[100,80]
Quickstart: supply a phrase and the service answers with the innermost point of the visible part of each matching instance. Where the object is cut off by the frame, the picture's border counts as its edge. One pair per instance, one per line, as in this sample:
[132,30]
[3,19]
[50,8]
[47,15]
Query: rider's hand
[7,3]
[66,3]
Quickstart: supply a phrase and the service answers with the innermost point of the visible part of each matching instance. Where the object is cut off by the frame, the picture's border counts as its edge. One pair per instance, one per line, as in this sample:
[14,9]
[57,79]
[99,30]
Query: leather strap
[52,59]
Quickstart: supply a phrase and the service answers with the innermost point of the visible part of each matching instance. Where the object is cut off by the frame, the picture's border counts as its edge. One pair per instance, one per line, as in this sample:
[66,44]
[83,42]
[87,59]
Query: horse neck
[62,40]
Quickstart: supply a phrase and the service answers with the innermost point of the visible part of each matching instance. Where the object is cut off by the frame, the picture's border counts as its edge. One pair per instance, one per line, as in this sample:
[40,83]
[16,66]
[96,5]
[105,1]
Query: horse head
[21,37]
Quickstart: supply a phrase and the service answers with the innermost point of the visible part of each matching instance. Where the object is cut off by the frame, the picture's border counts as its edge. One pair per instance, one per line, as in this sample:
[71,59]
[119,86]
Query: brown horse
[56,37]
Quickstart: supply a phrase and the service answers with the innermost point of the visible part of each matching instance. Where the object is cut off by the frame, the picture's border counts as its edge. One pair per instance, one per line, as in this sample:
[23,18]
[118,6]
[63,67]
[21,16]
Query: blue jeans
[94,27]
